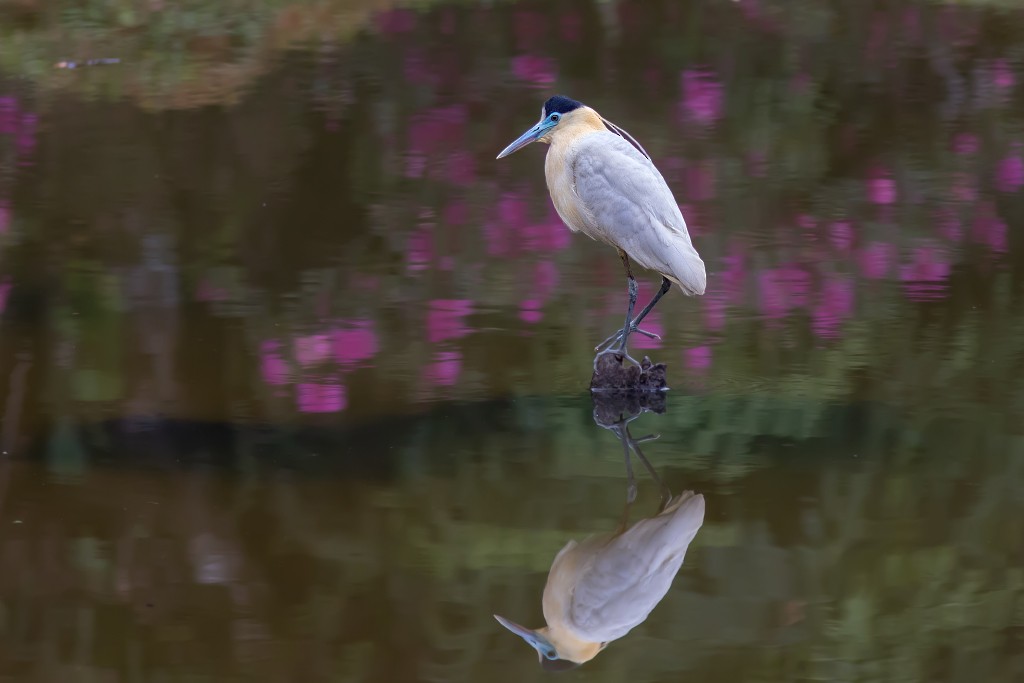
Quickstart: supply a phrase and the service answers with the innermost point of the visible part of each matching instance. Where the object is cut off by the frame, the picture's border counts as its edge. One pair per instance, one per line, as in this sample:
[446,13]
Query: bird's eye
[555,117]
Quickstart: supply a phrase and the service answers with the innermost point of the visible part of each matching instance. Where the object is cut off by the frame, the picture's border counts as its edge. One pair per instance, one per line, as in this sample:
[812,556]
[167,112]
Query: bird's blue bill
[537,641]
[529,136]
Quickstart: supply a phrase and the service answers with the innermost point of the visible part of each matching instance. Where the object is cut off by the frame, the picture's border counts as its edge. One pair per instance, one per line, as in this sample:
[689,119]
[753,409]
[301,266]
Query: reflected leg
[666,493]
[631,489]
[631,480]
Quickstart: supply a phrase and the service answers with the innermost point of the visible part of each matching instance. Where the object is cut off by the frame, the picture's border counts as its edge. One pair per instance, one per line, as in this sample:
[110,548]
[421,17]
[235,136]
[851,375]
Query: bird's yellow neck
[558,166]
[574,125]
[569,646]
[565,571]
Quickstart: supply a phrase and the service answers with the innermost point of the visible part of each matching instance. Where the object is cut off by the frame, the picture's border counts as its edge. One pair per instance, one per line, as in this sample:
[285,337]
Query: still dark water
[293,373]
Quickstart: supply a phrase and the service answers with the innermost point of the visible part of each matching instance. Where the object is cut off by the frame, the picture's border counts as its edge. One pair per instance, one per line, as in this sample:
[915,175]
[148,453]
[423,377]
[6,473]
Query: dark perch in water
[610,375]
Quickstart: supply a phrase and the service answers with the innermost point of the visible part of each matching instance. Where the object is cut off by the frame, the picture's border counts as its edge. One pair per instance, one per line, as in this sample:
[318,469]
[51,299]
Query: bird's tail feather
[686,511]
[687,269]
[688,498]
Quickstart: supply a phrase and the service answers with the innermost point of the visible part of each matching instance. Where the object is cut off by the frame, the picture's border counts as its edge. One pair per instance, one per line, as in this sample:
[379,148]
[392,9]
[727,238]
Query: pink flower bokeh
[327,396]
[445,368]
[446,319]
[702,95]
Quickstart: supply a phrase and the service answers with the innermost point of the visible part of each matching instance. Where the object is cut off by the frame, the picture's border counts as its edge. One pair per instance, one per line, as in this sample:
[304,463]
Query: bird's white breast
[558,171]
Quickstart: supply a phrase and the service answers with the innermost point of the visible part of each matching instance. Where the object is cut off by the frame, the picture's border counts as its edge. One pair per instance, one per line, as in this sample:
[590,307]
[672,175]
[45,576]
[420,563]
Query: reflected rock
[611,407]
[601,588]
[610,374]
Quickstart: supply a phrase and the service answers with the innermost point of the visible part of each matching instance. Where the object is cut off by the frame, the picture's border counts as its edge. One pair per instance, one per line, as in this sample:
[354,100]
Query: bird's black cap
[560,104]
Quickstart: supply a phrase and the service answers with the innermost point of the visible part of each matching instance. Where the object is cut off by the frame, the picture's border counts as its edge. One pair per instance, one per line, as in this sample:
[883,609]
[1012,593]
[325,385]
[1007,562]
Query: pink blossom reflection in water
[715,308]
[988,228]
[698,358]
[965,187]
[702,96]
[530,311]
[446,319]
[415,165]
[966,144]
[1002,74]
[419,250]
[537,71]
[546,237]
[545,279]
[841,236]
[881,189]
[948,224]
[25,142]
[324,396]
[542,286]
[511,217]
[444,370]
[1010,174]
[9,111]
[354,342]
[782,289]
[700,181]
[835,304]
[273,367]
[460,169]
[312,349]
[456,213]
[876,260]
[734,278]
[925,273]
[438,130]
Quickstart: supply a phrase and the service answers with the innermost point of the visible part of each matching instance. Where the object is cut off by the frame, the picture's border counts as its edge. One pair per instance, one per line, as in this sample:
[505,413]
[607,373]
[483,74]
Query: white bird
[600,589]
[608,189]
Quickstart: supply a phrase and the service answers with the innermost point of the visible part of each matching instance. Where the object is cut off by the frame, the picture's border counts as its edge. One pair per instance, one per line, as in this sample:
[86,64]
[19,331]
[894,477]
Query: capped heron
[598,590]
[604,184]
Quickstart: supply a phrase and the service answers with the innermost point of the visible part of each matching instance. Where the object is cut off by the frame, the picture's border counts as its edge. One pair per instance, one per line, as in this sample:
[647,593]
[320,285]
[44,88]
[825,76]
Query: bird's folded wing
[634,209]
[616,595]
[632,573]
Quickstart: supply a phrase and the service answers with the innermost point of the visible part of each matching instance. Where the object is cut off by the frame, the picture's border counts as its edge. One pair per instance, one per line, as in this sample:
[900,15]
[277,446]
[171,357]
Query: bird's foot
[618,351]
[618,335]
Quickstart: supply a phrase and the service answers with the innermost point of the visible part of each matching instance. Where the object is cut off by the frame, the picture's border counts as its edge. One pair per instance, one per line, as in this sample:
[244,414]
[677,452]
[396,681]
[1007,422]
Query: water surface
[293,373]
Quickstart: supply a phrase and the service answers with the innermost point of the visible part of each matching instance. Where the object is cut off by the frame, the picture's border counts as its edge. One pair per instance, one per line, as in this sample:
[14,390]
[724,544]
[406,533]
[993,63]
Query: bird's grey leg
[633,291]
[666,285]
[623,334]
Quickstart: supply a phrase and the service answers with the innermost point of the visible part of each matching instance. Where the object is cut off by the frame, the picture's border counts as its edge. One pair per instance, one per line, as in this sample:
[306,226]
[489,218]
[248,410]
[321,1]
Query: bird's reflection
[600,588]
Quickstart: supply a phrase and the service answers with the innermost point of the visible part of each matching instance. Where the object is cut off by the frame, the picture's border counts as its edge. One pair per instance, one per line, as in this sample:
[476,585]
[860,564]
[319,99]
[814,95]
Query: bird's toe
[618,335]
